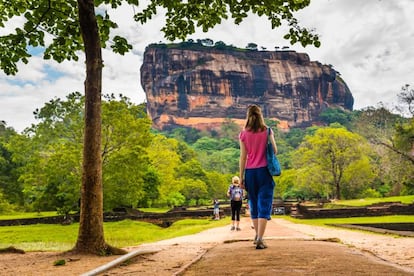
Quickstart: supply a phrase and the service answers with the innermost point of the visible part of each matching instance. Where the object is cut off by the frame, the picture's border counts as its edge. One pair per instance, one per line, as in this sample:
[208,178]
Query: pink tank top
[255,144]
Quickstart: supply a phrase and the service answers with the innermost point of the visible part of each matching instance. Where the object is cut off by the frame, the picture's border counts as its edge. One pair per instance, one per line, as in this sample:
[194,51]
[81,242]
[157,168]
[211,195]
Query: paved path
[304,248]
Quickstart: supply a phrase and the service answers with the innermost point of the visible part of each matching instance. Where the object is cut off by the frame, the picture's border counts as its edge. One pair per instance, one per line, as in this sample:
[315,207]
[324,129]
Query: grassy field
[353,220]
[369,201]
[51,237]
[360,203]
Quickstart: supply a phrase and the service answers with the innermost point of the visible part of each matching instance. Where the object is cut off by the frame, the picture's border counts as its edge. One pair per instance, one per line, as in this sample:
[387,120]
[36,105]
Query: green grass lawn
[360,203]
[353,220]
[369,201]
[51,237]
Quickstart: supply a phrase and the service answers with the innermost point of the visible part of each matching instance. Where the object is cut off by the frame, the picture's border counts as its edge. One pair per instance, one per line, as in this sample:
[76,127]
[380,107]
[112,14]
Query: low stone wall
[161,219]
[300,211]
[166,219]
[44,220]
[400,229]
[281,207]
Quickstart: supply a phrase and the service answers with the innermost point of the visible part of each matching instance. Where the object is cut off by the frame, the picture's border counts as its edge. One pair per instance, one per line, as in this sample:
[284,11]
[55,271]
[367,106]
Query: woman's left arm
[272,140]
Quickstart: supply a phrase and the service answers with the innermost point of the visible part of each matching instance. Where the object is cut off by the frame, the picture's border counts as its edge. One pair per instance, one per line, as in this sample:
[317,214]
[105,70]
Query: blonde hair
[235,179]
[255,121]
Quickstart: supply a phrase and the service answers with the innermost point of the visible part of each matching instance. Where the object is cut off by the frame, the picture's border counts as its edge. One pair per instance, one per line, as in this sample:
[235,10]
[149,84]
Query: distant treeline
[358,154]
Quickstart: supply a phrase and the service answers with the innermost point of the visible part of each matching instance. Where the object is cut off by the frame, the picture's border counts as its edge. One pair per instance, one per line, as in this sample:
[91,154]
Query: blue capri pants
[260,186]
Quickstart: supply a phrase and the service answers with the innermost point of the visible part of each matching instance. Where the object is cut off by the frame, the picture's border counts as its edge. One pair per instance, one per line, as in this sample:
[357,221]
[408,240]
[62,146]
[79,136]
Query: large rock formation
[198,86]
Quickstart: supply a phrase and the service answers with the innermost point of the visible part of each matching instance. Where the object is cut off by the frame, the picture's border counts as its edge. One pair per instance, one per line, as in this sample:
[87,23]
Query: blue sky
[369,42]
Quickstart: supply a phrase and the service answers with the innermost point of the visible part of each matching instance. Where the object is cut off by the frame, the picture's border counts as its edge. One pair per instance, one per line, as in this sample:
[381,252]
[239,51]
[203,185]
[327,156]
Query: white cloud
[369,42]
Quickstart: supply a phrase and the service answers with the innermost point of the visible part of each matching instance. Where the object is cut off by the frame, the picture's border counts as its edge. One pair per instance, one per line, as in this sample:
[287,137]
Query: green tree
[390,136]
[223,161]
[191,177]
[194,190]
[191,170]
[50,154]
[335,115]
[230,130]
[76,25]
[220,45]
[251,46]
[5,206]
[125,139]
[294,137]
[404,138]
[165,159]
[62,177]
[206,144]
[377,124]
[150,188]
[210,145]
[56,143]
[186,153]
[286,186]
[9,184]
[406,97]
[335,156]
[185,134]
[217,184]
[220,155]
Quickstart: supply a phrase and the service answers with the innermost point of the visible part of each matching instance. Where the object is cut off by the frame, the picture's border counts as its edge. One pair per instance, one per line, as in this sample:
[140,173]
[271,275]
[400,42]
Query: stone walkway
[294,249]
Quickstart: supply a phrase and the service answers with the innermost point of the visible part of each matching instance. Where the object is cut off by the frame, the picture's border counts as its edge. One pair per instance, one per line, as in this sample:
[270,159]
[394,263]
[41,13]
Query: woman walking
[254,176]
[235,192]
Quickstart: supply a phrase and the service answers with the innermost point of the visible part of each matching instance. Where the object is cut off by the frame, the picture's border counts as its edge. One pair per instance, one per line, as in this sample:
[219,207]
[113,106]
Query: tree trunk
[91,234]
[338,190]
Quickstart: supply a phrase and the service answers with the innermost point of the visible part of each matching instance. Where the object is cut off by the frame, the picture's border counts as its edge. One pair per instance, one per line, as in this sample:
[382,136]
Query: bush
[5,206]
[370,193]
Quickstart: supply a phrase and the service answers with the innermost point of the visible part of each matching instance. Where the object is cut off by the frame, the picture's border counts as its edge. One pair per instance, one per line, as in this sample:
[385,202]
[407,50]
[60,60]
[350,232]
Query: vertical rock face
[202,86]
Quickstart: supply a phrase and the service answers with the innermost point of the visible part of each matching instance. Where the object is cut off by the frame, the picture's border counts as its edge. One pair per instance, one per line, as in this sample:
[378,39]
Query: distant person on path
[235,192]
[254,176]
[216,209]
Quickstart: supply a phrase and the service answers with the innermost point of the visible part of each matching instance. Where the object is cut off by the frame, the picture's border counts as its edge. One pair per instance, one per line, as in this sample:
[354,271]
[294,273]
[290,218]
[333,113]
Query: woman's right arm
[242,163]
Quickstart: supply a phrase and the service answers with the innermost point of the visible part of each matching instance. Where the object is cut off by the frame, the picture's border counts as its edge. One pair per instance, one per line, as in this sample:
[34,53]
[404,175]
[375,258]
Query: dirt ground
[293,249]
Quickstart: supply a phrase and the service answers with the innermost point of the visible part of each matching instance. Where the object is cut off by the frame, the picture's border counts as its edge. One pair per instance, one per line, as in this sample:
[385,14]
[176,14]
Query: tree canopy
[334,157]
